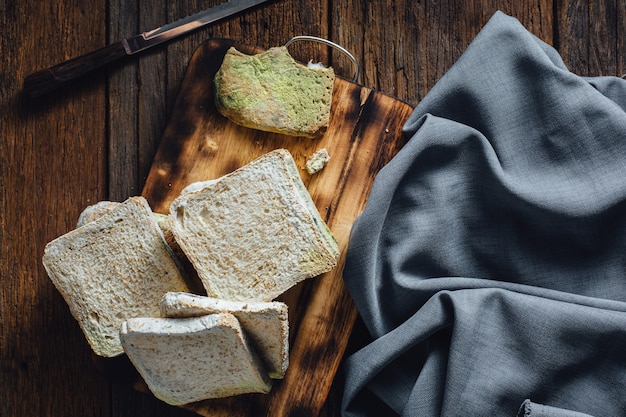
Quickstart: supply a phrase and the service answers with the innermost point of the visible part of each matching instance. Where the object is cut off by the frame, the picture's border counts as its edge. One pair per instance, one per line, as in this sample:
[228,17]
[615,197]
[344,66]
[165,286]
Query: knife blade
[50,79]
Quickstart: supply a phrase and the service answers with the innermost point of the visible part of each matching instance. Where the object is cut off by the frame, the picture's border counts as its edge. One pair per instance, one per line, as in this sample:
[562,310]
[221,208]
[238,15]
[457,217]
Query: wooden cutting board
[199,144]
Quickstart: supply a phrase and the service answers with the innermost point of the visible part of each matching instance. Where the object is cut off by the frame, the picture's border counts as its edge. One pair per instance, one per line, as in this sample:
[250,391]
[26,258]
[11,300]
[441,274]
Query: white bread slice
[95,211]
[265,323]
[254,233]
[99,209]
[113,268]
[193,359]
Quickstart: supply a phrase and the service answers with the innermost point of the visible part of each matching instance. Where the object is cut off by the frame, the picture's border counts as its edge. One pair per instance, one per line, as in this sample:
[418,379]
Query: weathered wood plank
[591,36]
[123,149]
[51,165]
[405,47]
[152,90]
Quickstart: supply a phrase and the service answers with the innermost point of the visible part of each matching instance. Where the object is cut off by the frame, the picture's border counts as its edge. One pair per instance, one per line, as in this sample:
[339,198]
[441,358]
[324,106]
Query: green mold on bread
[272,92]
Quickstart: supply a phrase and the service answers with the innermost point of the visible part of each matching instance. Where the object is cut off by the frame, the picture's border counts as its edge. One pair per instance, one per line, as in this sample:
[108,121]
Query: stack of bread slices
[249,235]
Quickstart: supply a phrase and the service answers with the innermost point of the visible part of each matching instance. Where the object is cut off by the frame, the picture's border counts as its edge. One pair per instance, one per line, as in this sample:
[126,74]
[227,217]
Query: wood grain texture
[51,166]
[96,138]
[363,135]
[405,46]
[599,29]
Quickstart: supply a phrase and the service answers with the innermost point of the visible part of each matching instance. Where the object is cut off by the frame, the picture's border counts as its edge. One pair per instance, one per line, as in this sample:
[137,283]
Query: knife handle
[45,81]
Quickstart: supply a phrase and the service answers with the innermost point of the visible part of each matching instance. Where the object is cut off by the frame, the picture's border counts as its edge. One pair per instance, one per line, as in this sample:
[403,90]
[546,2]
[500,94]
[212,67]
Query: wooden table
[96,138]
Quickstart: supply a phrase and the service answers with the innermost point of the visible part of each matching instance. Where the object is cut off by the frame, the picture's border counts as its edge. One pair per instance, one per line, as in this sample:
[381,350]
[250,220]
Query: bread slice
[95,211]
[99,209]
[193,359]
[272,92]
[112,268]
[254,233]
[265,323]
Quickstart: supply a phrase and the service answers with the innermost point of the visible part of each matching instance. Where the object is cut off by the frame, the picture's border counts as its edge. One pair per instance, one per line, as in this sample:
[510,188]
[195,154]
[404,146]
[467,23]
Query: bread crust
[265,323]
[185,360]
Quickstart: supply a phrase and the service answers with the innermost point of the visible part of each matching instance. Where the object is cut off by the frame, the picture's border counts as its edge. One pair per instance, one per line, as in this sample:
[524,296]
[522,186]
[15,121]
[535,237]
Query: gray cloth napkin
[489,264]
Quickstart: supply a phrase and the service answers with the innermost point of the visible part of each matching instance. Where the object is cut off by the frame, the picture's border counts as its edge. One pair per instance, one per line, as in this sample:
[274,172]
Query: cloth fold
[530,409]
[489,264]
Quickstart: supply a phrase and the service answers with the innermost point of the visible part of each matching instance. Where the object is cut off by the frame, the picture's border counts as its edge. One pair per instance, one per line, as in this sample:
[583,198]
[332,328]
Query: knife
[45,81]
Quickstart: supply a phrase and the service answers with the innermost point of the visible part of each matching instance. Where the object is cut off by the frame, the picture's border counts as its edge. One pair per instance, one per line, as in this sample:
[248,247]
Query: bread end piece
[185,360]
[272,92]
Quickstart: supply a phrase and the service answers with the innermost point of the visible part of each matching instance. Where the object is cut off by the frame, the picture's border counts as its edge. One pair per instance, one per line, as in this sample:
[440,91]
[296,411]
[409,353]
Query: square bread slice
[254,233]
[99,209]
[265,323]
[193,359]
[114,267]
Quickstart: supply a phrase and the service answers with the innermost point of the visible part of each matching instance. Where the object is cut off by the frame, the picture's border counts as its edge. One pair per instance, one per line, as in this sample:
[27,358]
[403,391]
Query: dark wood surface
[96,139]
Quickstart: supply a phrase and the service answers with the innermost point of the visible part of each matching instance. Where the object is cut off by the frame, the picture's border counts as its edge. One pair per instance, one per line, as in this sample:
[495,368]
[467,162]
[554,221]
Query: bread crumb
[317,161]
[312,64]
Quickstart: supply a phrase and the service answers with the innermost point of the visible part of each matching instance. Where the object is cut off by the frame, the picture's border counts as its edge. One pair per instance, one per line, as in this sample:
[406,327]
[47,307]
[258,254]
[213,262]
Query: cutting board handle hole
[332,44]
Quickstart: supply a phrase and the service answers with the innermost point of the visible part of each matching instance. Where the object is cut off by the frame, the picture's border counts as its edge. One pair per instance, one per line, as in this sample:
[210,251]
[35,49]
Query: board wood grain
[199,144]
[97,139]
